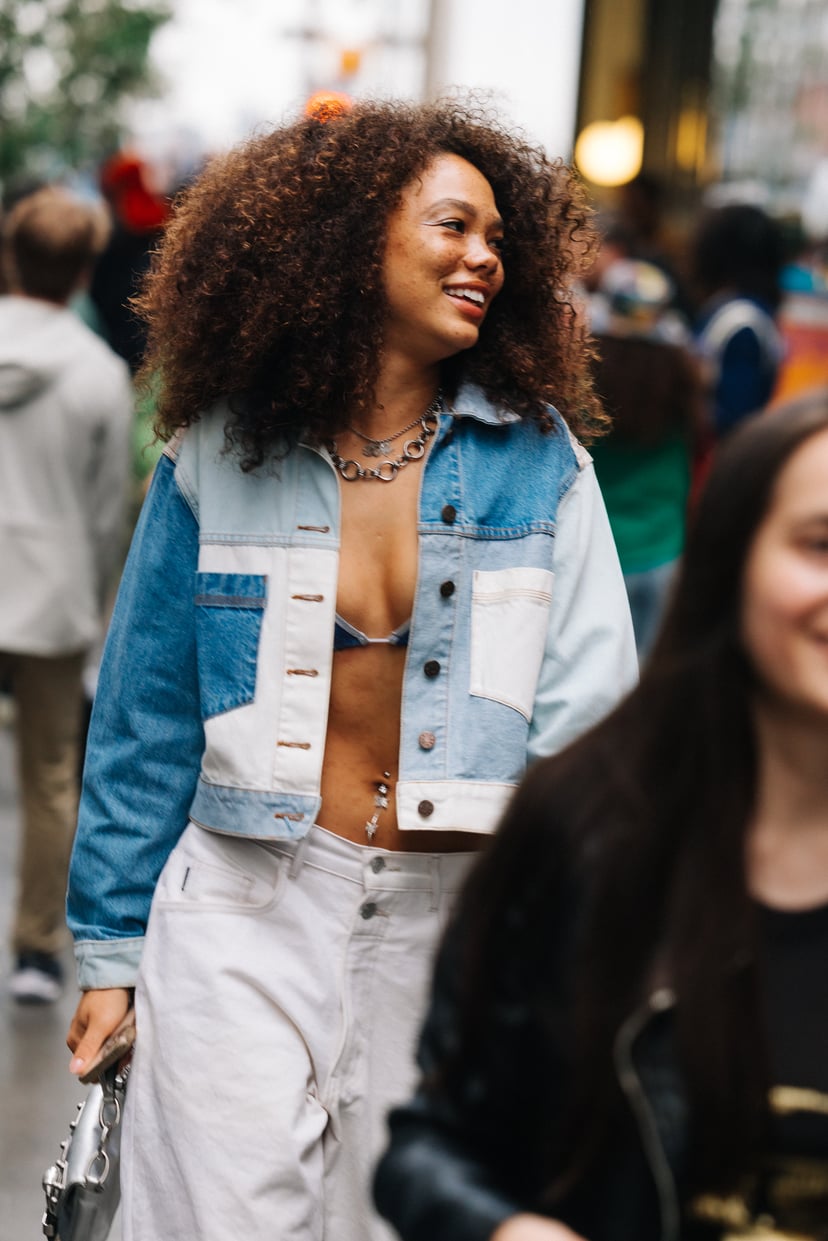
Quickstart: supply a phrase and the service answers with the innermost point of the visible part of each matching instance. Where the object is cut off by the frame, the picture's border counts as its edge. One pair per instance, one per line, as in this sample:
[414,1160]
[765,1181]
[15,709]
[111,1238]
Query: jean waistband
[374,868]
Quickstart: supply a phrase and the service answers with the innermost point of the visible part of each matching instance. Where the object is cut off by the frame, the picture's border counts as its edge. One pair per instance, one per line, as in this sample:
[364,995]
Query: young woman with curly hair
[372,580]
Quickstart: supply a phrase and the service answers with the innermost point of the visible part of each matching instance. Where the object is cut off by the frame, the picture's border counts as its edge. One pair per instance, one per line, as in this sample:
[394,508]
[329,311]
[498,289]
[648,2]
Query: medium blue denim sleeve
[145,742]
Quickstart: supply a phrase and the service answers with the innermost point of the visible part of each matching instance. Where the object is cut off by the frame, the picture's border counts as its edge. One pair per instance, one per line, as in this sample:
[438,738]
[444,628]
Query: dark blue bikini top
[347,636]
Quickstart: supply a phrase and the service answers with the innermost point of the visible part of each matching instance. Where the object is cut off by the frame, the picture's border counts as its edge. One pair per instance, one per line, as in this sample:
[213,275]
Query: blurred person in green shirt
[651,386]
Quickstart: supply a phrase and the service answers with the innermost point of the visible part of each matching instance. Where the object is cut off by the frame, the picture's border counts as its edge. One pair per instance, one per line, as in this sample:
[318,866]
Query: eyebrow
[460,204]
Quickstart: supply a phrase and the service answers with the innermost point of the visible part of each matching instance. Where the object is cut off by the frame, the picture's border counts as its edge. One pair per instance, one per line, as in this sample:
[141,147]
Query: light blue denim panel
[229,609]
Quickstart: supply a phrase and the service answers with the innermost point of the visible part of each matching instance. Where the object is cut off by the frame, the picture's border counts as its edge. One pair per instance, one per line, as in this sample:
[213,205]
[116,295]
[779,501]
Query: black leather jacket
[463,1158]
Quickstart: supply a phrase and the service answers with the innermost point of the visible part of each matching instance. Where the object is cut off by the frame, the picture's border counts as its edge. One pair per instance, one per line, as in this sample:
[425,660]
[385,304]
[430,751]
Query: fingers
[97,1015]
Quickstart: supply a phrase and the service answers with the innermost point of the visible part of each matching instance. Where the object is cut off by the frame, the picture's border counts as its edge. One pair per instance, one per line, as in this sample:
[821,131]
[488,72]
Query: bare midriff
[362,744]
[377,582]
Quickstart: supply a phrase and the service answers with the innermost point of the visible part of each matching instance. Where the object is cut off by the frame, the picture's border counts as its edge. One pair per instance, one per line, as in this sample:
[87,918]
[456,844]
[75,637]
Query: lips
[466,293]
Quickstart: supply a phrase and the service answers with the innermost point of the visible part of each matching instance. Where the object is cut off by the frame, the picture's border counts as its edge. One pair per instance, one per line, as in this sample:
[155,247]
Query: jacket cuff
[103,963]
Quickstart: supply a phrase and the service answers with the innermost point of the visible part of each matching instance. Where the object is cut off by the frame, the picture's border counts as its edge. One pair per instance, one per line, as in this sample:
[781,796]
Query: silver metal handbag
[83,1188]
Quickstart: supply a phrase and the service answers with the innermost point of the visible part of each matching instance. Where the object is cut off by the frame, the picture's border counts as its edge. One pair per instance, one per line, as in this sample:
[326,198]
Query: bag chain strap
[113,1085]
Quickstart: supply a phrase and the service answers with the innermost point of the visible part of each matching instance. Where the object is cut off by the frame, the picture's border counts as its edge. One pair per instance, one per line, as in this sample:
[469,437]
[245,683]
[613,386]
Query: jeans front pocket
[210,872]
[229,611]
[509,624]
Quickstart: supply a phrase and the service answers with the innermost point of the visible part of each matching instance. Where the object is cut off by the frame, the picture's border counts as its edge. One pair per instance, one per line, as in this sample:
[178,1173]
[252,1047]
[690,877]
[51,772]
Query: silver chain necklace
[381,448]
[413,449]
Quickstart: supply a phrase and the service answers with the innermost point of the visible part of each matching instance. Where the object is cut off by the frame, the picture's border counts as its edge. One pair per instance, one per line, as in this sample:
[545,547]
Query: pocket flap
[231,590]
[494,585]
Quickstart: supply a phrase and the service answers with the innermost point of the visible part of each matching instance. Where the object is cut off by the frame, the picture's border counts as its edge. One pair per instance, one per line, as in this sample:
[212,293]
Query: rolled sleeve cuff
[104,963]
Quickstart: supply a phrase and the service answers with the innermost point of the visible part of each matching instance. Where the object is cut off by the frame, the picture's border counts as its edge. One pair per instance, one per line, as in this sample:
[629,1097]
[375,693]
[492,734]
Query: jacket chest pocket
[509,625]
[229,611]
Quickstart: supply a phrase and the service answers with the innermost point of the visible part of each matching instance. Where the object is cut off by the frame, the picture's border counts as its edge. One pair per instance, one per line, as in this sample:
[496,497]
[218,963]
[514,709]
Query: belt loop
[436,882]
[298,859]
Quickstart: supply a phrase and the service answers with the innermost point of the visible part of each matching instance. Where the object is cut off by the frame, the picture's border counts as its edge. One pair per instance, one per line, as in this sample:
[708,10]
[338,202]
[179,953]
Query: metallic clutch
[83,1187]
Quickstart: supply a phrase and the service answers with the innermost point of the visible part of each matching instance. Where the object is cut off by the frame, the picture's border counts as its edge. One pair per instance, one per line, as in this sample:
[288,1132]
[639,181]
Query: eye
[815,544]
[457,226]
[497,243]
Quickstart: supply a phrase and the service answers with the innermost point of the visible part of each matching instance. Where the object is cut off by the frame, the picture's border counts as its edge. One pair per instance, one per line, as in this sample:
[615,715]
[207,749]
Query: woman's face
[442,264]
[785,592]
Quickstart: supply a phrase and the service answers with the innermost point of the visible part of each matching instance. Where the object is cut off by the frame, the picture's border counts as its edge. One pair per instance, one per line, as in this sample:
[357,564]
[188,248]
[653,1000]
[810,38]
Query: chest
[378,552]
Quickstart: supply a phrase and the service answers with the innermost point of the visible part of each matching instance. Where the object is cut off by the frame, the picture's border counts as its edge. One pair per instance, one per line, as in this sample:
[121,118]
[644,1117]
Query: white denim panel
[243,745]
[307,660]
[469,806]
[509,624]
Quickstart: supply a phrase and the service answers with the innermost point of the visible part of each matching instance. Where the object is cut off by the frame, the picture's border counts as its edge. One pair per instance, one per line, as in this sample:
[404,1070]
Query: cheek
[779,600]
[763,611]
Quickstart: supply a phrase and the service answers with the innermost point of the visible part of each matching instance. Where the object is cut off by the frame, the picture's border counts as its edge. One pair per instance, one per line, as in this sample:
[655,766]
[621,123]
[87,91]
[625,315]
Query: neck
[788,840]
[403,392]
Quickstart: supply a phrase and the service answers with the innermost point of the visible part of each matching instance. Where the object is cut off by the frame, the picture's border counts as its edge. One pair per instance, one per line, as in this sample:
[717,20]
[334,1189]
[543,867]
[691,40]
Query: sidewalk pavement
[37,1095]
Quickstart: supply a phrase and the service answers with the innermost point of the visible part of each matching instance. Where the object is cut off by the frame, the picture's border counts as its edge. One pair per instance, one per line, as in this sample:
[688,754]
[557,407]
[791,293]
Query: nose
[480,254]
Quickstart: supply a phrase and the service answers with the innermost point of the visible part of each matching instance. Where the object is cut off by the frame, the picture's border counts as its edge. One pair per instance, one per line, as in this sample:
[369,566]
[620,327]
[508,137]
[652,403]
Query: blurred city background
[668,107]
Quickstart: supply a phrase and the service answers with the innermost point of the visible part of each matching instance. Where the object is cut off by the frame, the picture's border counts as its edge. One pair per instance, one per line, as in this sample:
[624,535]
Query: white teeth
[471,295]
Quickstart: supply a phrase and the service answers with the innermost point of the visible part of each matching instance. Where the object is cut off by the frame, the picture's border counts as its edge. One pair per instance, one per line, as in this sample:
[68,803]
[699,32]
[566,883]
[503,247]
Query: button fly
[368,910]
[377,864]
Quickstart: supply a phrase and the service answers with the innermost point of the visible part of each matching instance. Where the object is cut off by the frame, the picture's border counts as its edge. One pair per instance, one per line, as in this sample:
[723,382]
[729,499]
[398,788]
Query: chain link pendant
[377,448]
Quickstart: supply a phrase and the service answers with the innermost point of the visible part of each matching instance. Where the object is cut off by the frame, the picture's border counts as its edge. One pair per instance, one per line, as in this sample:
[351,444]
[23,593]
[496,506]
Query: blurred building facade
[732,95]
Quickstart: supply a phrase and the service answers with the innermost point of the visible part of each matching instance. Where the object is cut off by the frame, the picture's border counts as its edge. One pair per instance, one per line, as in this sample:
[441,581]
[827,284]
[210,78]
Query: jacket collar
[472,402]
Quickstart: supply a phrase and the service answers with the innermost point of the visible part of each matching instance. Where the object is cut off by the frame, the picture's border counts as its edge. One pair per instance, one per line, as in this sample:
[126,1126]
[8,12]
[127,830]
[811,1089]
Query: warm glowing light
[350,59]
[691,137]
[325,105]
[610,152]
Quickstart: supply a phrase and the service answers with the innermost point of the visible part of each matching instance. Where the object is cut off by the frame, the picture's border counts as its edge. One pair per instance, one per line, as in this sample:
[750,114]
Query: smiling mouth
[473,296]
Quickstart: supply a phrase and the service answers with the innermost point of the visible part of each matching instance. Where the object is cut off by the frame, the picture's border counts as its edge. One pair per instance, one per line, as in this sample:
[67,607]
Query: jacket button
[431,668]
[427,741]
[447,589]
[368,911]
[425,809]
[449,514]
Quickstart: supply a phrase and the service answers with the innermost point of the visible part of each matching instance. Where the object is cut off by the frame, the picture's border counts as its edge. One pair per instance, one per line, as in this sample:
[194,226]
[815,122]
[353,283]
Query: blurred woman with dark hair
[630,1014]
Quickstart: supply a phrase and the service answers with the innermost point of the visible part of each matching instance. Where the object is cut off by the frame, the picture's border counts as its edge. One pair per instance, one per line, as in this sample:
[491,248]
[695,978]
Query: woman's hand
[534,1228]
[96,1016]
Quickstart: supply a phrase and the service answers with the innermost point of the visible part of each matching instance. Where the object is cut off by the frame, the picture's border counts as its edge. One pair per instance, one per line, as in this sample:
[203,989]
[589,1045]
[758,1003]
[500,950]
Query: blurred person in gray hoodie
[65,411]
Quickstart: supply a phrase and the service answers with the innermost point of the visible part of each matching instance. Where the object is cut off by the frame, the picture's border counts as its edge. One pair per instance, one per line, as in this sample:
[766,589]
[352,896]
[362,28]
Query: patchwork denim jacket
[213,696]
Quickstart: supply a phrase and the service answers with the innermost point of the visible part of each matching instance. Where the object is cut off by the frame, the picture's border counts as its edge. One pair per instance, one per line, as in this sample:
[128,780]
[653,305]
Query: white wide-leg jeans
[278,1005]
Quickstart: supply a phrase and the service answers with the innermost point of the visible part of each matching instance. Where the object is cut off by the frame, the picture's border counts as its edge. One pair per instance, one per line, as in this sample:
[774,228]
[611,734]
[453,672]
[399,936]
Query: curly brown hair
[267,287]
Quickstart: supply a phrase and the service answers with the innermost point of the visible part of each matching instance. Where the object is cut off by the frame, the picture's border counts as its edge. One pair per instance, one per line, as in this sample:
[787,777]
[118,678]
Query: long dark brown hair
[625,853]
[267,288]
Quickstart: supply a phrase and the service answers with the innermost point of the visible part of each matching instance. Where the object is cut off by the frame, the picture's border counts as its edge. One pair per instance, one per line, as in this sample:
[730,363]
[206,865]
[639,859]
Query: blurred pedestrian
[139,213]
[373,578]
[630,1014]
[65,408]
[650,384]
[641,215]
[737,255]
